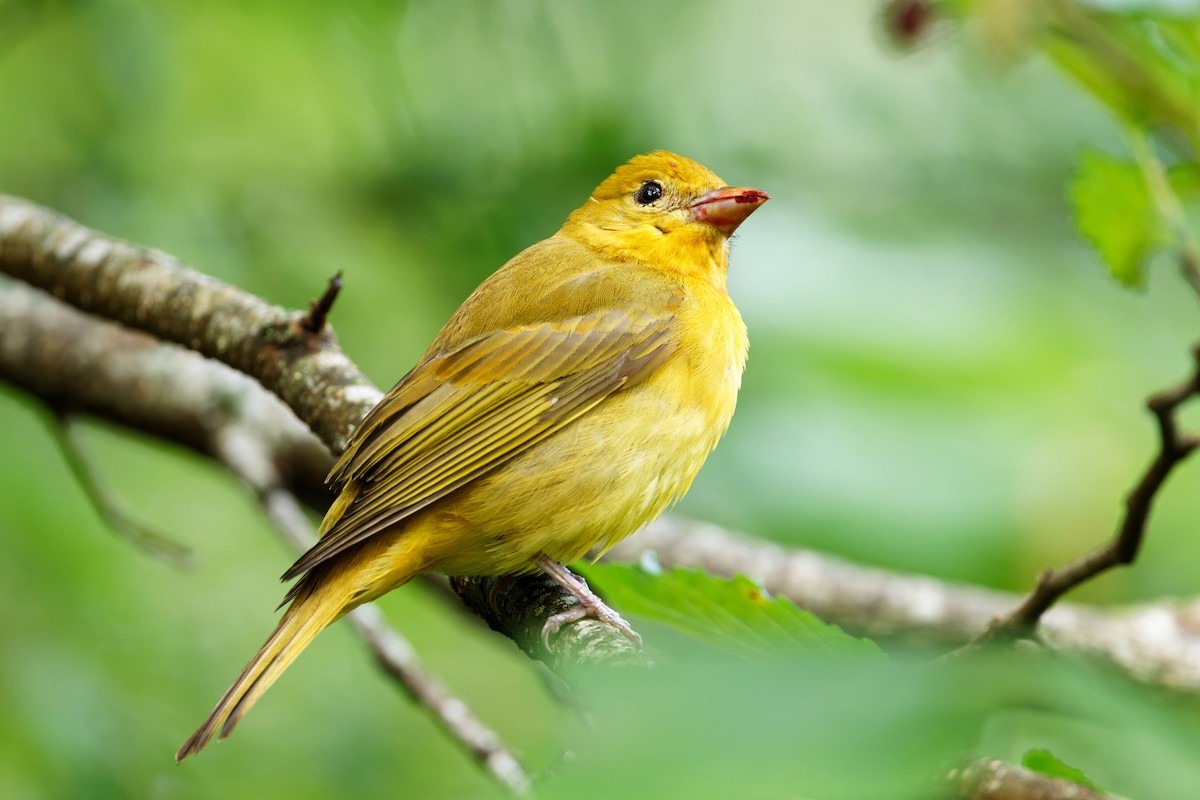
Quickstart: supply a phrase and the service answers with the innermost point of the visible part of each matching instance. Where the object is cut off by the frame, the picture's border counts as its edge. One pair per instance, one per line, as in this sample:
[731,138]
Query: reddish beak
[727,207]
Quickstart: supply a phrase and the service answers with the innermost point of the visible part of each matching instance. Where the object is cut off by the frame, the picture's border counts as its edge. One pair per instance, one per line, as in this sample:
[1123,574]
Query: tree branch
[1154,642]
[82,364]
[151,291]
[114,515]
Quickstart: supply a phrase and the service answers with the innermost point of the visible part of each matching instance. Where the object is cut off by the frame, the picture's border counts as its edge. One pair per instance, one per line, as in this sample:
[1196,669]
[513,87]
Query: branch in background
[1123,549]
[115,516]
[1154,642]
[239,450]
[398,658]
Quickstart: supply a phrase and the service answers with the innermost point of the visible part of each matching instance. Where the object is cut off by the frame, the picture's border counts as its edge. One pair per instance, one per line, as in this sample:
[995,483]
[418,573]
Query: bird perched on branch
[569,401]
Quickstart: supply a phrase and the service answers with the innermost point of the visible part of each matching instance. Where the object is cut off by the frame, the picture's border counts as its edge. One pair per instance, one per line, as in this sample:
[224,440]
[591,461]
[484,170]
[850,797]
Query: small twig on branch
[121,522]
[398,658]
[244,455]
[1123,549]
[318,310]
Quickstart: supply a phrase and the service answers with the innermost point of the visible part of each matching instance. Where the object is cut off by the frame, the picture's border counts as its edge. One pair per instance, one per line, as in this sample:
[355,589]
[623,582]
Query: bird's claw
[597,610]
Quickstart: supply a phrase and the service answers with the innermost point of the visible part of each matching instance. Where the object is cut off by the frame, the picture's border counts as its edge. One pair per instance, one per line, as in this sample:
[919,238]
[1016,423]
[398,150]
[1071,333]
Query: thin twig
[1123,549]
[245,456]
[105,503]
[398,658]
[318,310]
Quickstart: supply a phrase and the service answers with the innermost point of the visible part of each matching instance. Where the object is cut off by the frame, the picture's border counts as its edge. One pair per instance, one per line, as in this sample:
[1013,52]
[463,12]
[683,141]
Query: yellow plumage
[570,399]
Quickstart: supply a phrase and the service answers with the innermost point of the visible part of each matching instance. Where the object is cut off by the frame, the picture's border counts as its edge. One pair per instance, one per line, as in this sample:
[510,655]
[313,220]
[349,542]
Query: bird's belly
[592,484]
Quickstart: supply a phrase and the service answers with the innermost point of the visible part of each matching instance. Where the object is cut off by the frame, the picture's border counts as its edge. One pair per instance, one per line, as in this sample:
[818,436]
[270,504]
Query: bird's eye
[648,192]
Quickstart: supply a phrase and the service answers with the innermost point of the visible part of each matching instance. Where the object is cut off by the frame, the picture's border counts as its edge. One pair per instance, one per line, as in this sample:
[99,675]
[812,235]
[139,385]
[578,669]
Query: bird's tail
[308,615]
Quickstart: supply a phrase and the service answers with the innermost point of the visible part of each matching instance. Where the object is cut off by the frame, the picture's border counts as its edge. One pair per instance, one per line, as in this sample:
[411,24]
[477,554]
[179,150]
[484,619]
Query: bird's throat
[694,251]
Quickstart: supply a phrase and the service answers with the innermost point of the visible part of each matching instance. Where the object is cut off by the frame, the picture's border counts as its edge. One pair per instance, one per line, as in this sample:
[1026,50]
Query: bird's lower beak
[727,207]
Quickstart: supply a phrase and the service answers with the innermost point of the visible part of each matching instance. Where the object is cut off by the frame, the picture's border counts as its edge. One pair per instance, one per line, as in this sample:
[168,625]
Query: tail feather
[308,615]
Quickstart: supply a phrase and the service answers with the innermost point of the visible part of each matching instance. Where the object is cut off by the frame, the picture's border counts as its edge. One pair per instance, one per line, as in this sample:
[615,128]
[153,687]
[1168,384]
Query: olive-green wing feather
[460,414]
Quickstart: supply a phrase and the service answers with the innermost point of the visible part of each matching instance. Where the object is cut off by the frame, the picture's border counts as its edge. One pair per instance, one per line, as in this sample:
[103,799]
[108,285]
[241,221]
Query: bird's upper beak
[727,207]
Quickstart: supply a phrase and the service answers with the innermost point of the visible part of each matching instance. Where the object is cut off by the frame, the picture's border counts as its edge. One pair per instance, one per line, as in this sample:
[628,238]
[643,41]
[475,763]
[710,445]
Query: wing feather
[462,413]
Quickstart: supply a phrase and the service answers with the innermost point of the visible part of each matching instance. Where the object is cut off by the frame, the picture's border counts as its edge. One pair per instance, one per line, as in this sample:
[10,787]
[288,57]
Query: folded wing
[462,413]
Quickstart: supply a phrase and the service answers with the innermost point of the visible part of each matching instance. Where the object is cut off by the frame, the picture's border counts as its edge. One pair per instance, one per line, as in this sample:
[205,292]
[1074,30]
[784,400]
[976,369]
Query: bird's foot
[590,605]
[599,610]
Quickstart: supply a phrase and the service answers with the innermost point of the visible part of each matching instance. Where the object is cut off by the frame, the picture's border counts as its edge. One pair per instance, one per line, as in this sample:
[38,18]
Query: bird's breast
[621,464]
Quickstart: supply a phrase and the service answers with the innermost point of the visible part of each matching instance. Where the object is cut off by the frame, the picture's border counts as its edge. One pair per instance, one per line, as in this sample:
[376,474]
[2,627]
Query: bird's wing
[462,413]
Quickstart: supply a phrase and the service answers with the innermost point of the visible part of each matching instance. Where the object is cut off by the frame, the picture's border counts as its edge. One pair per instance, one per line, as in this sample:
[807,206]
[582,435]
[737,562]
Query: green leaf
[735,614]
[1140,64]
[1046,763]
[1114,212]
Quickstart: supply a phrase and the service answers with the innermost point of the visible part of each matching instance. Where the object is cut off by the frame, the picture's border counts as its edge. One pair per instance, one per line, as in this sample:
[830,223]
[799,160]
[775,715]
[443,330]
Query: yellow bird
[569,401]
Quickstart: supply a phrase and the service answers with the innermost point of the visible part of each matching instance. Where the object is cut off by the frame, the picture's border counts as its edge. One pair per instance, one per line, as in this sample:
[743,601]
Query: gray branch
[151,291]
[1157,642]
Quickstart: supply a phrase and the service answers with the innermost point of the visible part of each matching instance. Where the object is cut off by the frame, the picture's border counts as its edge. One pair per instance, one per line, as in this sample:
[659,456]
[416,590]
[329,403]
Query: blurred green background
[942,378]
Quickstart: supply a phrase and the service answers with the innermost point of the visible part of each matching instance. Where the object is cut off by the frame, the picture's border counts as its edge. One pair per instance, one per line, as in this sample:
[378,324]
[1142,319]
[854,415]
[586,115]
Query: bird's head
[665,211]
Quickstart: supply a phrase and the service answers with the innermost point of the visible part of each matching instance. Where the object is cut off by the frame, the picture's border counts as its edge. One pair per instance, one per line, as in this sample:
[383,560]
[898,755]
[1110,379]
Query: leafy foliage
[868,729]
[734,614]
[1145,67]
[1114,211]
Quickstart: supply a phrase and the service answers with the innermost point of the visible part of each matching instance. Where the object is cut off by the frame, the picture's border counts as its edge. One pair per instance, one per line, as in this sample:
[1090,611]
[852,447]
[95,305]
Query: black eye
[648,192]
